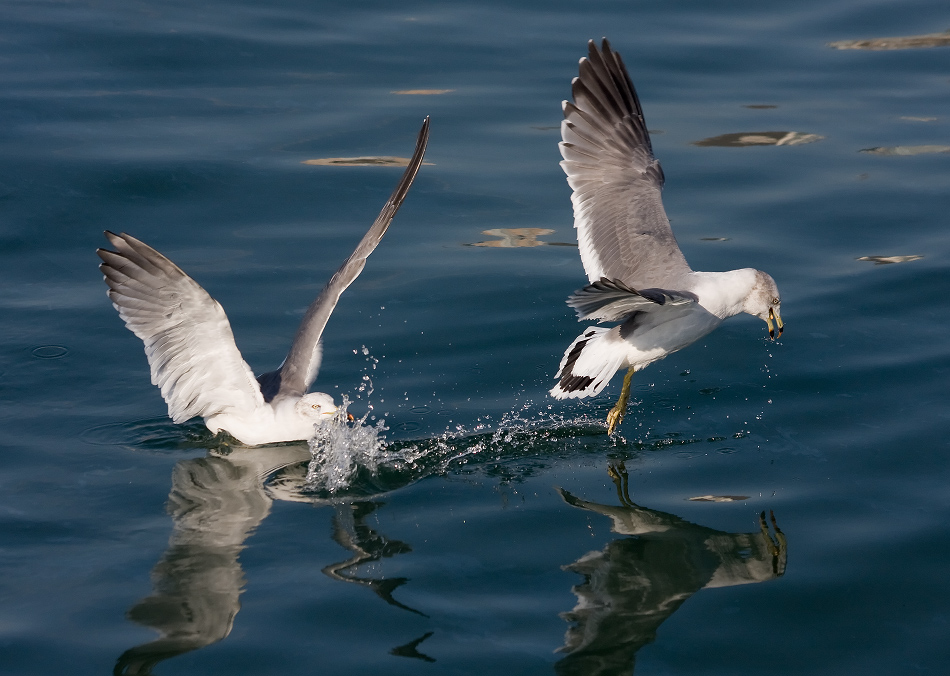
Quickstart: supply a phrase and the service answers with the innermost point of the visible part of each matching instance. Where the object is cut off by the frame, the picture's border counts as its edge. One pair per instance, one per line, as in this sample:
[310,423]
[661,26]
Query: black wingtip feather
[605,70]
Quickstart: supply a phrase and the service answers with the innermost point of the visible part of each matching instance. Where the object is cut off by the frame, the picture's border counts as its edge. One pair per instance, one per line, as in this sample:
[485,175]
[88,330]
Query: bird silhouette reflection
[636,582]
[216,502]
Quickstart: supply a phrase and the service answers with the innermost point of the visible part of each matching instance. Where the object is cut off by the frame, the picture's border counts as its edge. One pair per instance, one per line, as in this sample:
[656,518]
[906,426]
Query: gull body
[191,350]
[649,336]
[638,276]
[285,420]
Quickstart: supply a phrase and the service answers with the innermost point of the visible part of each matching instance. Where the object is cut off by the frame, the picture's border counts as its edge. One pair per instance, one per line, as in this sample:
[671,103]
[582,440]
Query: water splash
[351,457]
[340,447]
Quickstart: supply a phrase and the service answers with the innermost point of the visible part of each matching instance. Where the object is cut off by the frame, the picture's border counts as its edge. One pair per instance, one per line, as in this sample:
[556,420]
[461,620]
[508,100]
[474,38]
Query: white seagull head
[316,406]
[764,302]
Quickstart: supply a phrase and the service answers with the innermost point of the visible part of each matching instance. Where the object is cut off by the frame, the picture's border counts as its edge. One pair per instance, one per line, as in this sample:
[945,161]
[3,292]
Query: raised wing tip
[124,238]
[424,132]
[604,44]
[422,141]
[112,237]
[105,254]
[604,47]
[300,367]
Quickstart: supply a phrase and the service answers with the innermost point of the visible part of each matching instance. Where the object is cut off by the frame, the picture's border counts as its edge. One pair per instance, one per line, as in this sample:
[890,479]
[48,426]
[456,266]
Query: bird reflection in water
[351,532]
[216,503]
[636,582]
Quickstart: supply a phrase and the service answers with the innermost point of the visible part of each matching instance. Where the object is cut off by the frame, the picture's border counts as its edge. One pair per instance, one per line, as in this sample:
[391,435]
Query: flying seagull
[191,349]
[638,275]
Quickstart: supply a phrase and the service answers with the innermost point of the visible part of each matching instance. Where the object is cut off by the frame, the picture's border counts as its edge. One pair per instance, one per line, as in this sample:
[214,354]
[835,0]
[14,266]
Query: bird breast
[651,336]
[266,424]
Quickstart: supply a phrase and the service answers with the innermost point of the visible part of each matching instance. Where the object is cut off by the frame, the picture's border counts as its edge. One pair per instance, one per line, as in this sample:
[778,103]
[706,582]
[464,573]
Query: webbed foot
[615,417]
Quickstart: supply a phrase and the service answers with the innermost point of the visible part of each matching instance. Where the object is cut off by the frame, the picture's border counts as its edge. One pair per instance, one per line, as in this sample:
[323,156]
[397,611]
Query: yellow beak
[773,315]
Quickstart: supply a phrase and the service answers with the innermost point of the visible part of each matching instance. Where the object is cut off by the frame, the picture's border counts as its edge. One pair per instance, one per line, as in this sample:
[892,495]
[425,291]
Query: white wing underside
[188,340]
[187,336]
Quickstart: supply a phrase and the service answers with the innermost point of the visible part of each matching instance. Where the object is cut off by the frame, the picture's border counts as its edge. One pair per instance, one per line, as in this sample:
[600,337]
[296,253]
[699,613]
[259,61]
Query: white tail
[589,364]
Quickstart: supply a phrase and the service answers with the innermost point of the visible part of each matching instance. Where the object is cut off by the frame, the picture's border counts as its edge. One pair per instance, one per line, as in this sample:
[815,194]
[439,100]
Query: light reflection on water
[451,550]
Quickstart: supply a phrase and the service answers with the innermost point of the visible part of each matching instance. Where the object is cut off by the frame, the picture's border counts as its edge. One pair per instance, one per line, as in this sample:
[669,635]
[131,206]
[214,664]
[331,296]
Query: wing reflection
[636,582]
[216,503]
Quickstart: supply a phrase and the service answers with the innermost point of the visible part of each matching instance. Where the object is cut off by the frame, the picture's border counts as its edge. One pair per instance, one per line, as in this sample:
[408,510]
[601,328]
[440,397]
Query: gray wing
[609,300]
[300,367]
[187,336]
[622,229]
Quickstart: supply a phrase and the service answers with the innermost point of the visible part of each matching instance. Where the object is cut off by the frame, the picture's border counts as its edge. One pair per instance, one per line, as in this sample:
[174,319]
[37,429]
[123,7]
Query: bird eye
[775,301]
[316,406]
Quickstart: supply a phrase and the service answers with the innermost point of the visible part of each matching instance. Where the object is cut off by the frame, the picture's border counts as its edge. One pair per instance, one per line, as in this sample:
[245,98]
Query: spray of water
[340,447]
[353,456]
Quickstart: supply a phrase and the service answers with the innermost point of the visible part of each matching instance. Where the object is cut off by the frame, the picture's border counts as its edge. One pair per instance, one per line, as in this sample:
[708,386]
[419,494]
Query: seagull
[638,276]
[190,346]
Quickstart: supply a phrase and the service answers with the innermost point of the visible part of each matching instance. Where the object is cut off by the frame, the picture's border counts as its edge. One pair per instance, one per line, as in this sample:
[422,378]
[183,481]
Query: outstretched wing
[188,339]
[300,367]
[622,229]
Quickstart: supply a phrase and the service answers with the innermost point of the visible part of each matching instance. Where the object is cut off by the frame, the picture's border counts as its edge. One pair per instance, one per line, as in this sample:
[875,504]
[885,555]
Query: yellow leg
[615,417]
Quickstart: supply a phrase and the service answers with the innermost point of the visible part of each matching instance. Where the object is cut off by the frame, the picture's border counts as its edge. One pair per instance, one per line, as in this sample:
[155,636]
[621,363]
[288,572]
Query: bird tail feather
[588,364]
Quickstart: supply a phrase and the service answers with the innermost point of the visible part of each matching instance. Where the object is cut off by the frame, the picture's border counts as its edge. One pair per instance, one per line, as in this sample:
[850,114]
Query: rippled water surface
[767,507]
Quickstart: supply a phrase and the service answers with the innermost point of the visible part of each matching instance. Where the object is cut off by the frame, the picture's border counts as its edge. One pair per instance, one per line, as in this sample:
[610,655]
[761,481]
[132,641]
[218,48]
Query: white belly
[650,343]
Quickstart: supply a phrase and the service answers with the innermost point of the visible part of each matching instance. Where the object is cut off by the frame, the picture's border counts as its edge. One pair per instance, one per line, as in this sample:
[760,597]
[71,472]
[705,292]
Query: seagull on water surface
[638,275]
[191,350]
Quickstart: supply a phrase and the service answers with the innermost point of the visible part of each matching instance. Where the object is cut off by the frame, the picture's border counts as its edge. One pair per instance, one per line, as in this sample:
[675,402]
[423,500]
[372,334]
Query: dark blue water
[495,538]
